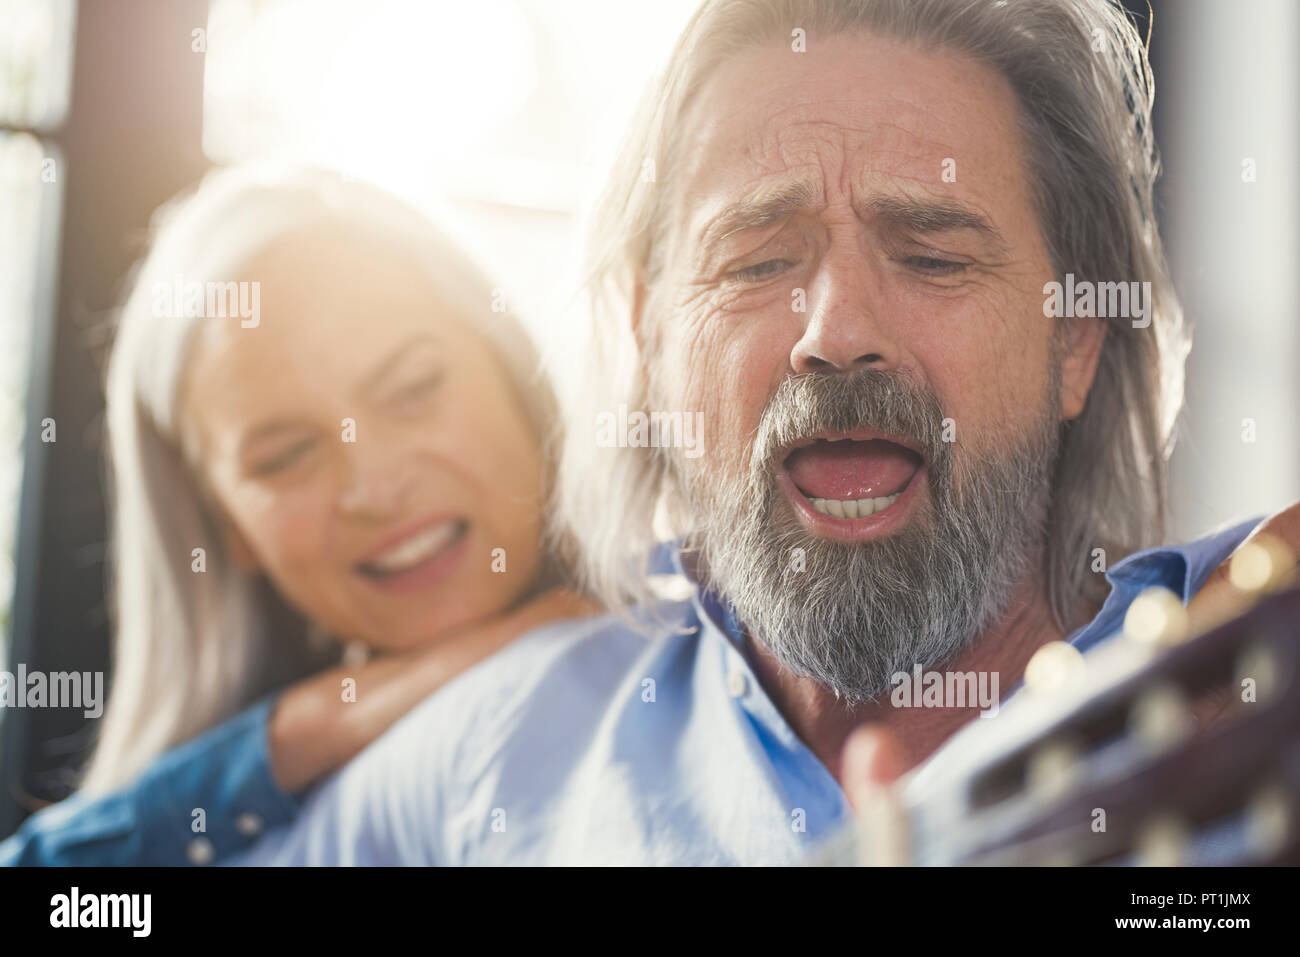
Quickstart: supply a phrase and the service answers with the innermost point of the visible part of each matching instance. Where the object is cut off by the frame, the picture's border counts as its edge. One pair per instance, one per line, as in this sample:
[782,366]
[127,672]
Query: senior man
[833,234]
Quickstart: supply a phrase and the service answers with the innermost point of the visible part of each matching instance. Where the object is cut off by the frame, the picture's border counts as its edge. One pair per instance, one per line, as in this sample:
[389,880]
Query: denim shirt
[197,803]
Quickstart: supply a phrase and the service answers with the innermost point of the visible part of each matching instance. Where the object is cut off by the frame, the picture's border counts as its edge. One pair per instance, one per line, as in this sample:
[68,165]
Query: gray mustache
[883,400]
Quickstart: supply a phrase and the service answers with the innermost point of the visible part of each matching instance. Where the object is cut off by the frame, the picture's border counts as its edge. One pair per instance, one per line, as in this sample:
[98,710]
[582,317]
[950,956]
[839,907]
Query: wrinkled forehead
[853,116]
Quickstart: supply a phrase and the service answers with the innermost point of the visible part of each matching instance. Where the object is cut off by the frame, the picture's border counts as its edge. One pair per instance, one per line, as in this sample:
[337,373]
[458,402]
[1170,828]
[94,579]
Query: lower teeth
[861,508]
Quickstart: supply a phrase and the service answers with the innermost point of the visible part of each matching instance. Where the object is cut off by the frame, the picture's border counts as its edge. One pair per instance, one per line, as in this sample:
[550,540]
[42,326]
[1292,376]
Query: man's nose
[844,329]
[377,482]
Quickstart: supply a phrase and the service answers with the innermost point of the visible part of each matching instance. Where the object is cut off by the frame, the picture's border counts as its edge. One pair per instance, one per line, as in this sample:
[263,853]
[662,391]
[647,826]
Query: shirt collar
[1182,569]
[667,558]
[1170,567]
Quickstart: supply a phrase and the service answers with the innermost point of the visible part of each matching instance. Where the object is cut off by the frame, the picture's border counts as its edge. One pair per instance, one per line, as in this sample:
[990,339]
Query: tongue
[851,470]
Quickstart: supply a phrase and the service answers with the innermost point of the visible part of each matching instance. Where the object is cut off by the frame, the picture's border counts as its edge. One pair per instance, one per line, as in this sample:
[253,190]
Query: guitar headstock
[1176,742]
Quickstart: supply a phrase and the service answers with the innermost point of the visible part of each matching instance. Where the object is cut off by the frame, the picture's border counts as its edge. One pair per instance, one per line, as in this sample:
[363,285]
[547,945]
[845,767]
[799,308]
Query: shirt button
[200,851]
[248,824]
[736,684]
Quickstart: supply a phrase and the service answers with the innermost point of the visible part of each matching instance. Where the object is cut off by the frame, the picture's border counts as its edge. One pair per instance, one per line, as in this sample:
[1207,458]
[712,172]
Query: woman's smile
[418,555]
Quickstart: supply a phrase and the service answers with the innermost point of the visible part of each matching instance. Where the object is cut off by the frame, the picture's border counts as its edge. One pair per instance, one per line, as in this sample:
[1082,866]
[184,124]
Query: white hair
[192,649]
[1084,89]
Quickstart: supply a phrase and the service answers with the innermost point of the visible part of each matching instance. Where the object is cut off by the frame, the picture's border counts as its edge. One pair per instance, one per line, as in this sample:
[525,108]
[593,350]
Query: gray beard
[852,615]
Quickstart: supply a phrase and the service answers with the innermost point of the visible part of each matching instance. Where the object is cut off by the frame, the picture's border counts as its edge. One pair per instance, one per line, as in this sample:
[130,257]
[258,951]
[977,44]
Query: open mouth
[852,482]
[420,555]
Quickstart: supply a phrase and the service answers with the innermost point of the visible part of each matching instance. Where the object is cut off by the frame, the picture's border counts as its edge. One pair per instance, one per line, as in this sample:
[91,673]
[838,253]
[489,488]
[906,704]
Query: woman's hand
[313,731]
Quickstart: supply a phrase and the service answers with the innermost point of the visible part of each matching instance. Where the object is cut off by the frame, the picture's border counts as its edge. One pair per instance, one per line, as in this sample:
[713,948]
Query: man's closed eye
[934,266]
[760,271]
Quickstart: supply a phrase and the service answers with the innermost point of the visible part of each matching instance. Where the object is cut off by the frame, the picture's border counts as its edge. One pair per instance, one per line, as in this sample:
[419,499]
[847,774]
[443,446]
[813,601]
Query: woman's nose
[377,485]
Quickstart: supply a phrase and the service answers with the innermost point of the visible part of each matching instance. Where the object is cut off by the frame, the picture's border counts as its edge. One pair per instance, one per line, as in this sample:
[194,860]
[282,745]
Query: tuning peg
[1156,617]
[1161,842]
[1269,821]
[1053,768]
[1262,565]
[1054,666]
[1161,717]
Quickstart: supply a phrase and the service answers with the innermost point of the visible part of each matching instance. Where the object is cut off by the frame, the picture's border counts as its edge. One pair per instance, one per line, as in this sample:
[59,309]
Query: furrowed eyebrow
[934,217]
[762,209]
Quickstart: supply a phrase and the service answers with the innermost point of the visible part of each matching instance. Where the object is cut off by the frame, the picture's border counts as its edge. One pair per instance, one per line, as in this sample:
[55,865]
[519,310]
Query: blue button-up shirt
[200,801]
[587,743]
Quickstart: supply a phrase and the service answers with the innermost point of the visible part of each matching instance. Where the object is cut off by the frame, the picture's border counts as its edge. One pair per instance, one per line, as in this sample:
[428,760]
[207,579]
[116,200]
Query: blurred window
[35,76]
[496,112]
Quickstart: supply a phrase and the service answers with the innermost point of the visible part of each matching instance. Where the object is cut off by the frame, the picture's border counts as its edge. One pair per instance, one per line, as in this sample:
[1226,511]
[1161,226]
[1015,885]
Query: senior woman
[330,461]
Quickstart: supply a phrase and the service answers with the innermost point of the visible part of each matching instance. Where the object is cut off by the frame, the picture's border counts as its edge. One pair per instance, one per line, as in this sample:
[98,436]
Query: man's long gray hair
[1084,90]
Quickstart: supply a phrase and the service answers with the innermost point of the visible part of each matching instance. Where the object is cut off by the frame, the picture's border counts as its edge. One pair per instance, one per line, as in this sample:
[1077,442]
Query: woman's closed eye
[417,392]
[290,454]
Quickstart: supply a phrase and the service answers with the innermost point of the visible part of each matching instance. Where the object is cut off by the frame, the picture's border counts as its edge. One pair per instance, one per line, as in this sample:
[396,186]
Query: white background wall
[1227,91]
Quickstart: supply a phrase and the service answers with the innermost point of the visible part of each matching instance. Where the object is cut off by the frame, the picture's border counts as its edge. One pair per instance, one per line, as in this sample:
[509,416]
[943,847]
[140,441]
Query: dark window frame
[131,139]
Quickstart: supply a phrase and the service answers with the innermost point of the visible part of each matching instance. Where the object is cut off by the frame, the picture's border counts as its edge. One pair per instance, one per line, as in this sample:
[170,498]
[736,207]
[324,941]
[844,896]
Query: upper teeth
[416,548]
[860,508]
